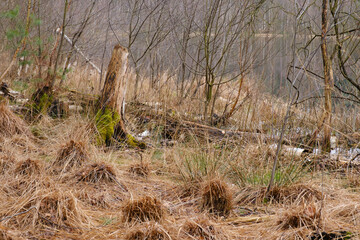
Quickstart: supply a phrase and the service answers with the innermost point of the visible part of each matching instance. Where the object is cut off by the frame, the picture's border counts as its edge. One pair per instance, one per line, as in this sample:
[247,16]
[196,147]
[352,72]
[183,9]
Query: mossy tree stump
[41,100]
[110,114]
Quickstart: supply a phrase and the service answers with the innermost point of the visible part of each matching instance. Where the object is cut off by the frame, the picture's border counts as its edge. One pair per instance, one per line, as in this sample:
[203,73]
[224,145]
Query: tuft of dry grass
[136,234]
[59,210]
[8,234]
[216,197]
[308,216]
[199,228]
[144,209]
[297,193]
[188,190]
[72,154]
[140,169]
[28,167]
[6,161]
[97,173]
[10,123]
[152,231]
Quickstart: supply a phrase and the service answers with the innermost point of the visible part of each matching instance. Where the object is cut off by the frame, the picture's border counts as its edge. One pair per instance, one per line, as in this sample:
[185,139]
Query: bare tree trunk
[110,116]
[328,78]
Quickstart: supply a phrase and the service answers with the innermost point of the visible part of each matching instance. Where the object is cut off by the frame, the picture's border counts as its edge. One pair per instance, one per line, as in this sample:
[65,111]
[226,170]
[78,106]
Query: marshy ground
[58,183]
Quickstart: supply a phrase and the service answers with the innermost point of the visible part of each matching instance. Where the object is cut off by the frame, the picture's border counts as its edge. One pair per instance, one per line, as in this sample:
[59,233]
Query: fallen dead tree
[174,126]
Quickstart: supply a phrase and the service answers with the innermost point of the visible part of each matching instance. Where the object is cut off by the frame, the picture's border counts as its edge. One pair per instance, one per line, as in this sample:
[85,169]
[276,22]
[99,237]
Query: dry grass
[10,123]
[72,154]
[297,193]
[308,216]
[144,209]
[199,228]
[83,200]
[140,169]
[28,167]
[97,173]
[6,161]
[151,231]
[216,197]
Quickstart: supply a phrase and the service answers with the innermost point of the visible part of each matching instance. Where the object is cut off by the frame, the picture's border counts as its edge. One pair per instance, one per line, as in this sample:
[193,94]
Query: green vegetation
[106,120]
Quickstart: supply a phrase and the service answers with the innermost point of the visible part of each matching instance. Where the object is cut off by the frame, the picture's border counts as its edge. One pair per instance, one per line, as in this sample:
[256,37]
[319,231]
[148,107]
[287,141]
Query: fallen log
[175,126]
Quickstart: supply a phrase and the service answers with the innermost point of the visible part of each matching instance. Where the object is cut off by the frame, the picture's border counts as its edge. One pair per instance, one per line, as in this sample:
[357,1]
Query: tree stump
[111,107]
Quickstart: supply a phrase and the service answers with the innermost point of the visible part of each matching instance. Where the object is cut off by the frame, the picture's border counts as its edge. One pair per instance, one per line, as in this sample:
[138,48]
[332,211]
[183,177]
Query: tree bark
[328,78]
[111,109]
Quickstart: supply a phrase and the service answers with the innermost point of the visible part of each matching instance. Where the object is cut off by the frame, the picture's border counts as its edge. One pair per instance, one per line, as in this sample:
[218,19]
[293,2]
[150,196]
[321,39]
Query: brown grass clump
[97,172]
[59,210]
[199,229]
[7,234]
[137,234]
[6,162]
[216,197]
[157,234]
[145,209]
[72,154]
[150,232]
[28,167]
[10,123]
[285,194]
[140,169]
[305,216]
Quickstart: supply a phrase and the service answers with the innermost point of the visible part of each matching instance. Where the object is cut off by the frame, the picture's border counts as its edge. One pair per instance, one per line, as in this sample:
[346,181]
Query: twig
[78,50]
[55,224]
[117,182]
[350,162]
[17,214]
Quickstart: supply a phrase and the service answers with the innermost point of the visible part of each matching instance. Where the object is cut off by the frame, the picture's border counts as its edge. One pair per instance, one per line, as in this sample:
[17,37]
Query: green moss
[43,104]
[106,121]
[132,142]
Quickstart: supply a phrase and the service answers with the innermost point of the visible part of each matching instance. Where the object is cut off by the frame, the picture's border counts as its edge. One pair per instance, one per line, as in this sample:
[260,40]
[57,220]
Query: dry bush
[28,167]
[285,194]
[216,197]
[151,231]
[10,123]
[97,173]
[140,169]
[199,228]
[144,209]
[72,154]
[298,217]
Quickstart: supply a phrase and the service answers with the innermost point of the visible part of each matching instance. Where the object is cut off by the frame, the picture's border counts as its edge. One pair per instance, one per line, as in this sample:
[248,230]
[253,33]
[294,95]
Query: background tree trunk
[328,78]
